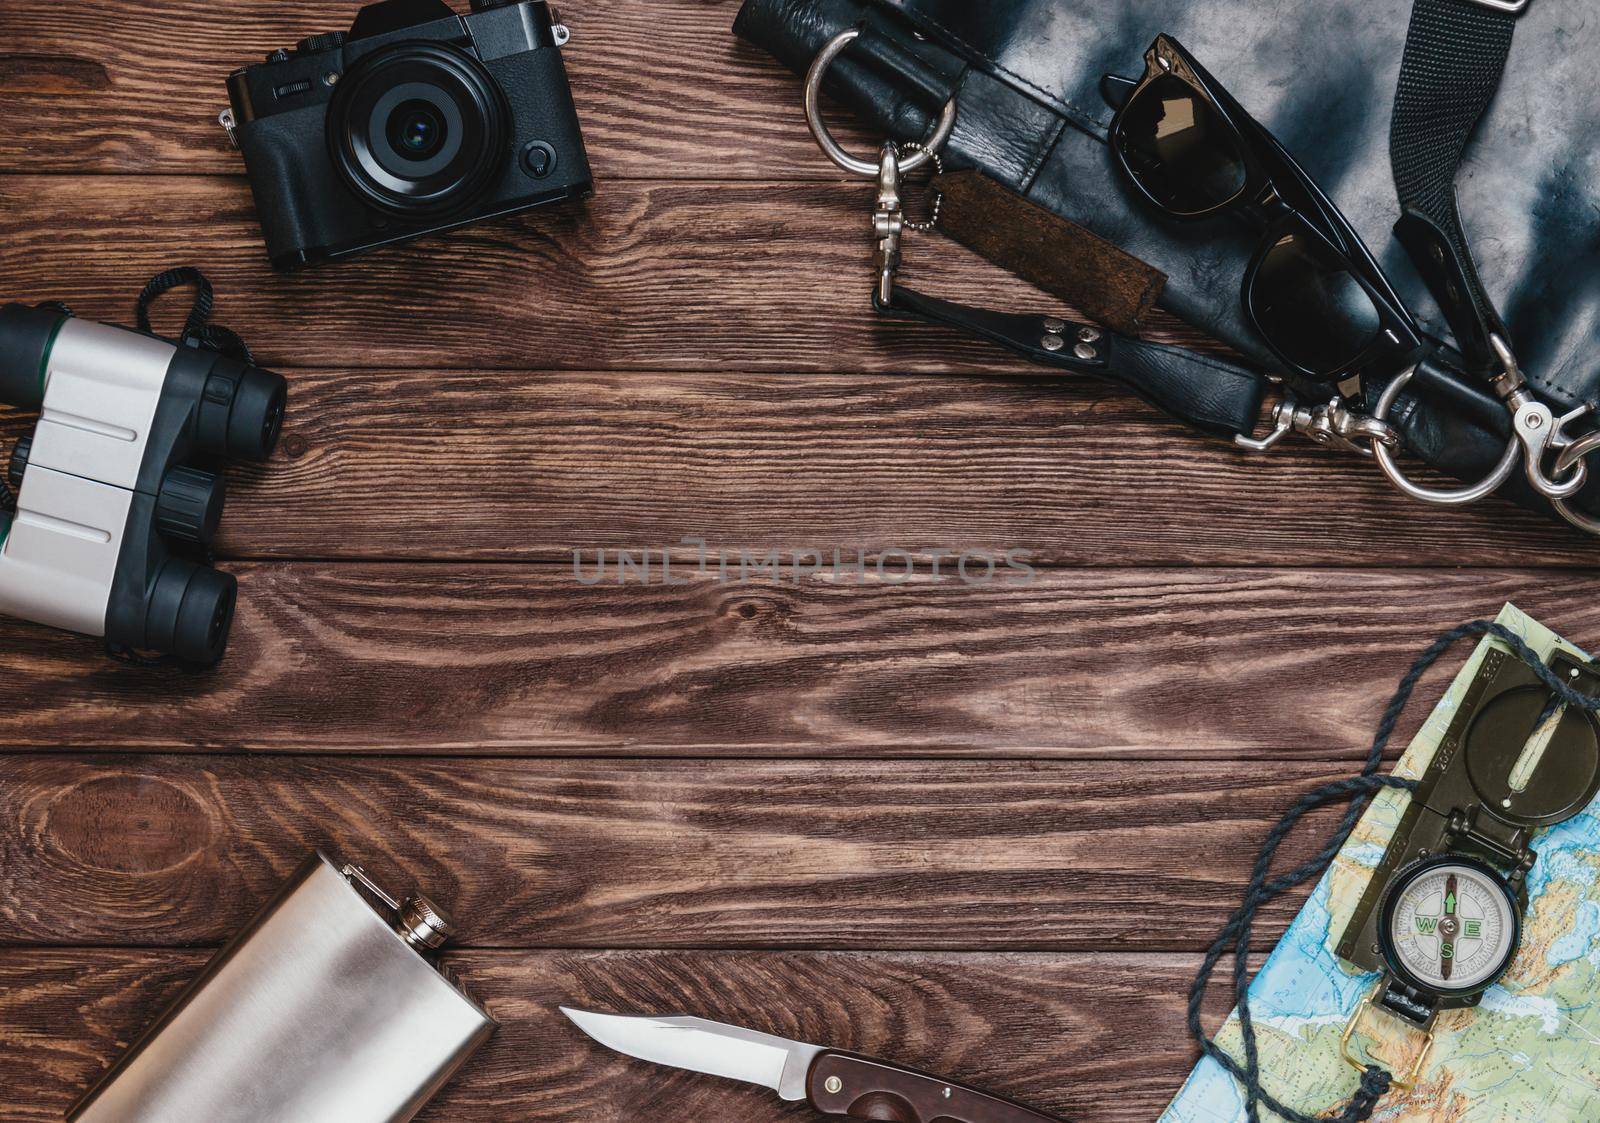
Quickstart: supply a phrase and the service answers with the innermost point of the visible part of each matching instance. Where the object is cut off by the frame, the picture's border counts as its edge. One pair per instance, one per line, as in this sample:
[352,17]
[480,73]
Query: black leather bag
[1321,76]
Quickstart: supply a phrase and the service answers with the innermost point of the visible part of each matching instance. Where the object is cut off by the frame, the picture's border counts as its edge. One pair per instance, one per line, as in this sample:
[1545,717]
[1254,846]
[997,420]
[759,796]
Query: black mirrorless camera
[418,120]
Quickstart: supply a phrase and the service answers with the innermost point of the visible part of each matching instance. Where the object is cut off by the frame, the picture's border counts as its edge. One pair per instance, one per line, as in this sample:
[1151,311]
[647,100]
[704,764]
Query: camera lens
[419,129]
[416,130]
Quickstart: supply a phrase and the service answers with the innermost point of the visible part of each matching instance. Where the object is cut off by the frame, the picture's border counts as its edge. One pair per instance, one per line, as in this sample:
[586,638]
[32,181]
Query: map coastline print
[1530,1053]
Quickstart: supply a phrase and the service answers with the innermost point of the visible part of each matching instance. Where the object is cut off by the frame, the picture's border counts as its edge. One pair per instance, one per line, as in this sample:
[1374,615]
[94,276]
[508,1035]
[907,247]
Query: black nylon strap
[197,328]
[1455,57]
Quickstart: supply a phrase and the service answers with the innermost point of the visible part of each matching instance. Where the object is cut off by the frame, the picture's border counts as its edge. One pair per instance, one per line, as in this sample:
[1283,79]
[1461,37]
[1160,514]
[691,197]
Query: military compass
[1442,917]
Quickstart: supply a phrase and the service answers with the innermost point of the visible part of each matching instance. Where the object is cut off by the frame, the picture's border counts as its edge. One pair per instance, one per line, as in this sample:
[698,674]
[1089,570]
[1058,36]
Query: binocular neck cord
[197,329]
[1375,1080]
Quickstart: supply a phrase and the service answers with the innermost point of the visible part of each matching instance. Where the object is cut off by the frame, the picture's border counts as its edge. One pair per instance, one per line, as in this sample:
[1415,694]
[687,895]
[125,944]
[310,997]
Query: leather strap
[1212,395]
[1455,57]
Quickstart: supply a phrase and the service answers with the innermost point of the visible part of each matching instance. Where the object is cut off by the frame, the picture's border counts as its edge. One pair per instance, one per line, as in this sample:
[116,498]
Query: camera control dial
[316,44]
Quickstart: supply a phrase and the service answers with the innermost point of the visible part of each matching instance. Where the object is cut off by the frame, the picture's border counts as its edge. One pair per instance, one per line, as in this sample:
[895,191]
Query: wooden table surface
[983,828]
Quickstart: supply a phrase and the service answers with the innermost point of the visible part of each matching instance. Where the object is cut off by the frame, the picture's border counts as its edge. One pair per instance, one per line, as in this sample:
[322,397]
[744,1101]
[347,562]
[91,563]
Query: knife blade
[831,1081]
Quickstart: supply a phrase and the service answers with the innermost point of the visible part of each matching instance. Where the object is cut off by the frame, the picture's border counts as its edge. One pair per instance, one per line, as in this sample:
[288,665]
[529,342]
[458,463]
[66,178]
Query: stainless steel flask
[322,1010]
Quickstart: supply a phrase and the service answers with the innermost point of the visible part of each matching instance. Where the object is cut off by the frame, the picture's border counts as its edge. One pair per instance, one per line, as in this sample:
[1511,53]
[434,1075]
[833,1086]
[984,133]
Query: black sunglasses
[1312,291]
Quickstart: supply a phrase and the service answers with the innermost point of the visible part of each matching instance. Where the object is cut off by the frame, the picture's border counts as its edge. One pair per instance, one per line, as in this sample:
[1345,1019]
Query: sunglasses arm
[1115,90]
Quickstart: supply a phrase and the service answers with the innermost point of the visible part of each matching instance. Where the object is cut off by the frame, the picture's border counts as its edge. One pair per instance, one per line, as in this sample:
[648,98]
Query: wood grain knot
[293,446]
[759,608]
[127,824]
[51,74]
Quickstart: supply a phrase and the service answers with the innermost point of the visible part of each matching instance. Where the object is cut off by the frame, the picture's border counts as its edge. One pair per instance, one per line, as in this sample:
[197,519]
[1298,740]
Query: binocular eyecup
[190,613]
[240,412]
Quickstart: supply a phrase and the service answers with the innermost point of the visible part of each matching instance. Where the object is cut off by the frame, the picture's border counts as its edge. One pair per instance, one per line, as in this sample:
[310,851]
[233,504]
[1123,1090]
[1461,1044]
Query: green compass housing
[1441,918]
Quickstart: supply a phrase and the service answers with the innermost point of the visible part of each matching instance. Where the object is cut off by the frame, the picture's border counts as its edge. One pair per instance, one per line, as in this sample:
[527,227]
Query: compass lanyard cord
[1375,1080]
[1455,59]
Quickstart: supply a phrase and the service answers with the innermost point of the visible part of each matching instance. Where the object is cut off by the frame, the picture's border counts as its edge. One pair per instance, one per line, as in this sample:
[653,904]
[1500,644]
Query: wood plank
[663,89]
[173,851]
[512,467]
[1098,1038]
[646,277]
[1219,664]
[500,466]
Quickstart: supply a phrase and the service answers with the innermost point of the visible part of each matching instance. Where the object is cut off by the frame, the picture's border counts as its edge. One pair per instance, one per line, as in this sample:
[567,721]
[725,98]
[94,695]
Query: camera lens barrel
[419,129]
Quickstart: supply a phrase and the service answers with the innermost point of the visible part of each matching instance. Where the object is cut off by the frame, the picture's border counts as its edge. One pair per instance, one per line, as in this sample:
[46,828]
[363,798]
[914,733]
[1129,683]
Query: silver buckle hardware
[1512,7]
[229,122]
[1537,428]
[819,128]
[1451,497]
[1331,426]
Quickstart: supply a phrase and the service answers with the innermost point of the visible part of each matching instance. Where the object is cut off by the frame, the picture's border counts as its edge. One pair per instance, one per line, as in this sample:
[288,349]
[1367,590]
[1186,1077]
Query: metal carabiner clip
[1333,426]
[1537,429]
[889,222]
[1444,497]
[1577,452]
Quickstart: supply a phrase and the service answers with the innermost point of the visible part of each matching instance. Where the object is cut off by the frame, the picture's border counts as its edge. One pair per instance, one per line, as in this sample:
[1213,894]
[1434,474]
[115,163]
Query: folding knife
[834,1083]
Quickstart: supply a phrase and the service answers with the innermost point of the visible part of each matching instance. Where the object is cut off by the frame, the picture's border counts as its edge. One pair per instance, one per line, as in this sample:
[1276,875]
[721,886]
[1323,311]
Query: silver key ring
[1576,453]
[831,147]
[1450,497]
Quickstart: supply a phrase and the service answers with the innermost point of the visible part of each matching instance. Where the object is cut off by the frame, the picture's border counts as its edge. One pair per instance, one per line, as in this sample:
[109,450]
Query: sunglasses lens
[1180,149]
[1310,306]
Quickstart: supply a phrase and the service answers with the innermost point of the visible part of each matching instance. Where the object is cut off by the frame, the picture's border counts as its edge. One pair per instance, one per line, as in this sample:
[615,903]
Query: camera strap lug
[231,124]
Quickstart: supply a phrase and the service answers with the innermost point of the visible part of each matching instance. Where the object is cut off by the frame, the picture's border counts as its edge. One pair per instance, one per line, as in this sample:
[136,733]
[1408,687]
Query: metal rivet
[1535,421]
[1052,343]
[1573,673]
[330,79]
[1054,326]
[1089,335]
[1084,351]
[834,1085]
[948,1093]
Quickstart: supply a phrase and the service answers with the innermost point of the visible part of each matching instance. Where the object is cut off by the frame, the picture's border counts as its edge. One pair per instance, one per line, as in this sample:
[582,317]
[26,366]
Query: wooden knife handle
[863,1088]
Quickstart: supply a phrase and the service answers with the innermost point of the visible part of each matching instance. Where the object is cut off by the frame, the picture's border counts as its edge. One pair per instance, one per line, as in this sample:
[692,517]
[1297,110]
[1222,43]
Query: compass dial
[1450,925]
